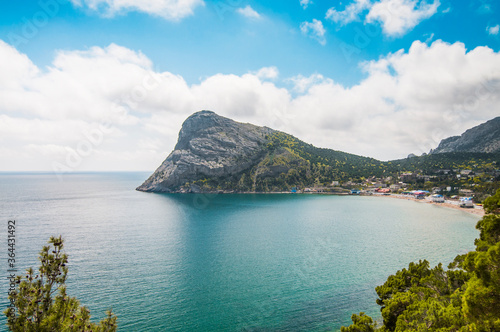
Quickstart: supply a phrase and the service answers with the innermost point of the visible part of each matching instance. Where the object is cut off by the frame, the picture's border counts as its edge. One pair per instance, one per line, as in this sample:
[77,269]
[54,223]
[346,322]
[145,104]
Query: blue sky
[382,78]
[217,39]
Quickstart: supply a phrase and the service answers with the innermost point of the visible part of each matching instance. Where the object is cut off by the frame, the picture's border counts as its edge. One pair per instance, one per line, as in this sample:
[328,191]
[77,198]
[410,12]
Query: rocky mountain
[217,154]
[484,138]
[214,153]
[208,146]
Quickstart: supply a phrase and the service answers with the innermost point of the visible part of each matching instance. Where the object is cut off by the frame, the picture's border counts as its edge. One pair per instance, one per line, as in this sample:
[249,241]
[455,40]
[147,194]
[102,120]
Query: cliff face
[209,146]
[215,154]
[484,138]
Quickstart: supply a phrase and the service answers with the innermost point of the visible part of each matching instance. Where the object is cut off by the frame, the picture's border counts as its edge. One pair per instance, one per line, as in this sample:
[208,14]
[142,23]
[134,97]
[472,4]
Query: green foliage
[452,160]
[431,314]
[466,297]
[489,227]
[361,323]
[36,308]
[492,204]
[411,289]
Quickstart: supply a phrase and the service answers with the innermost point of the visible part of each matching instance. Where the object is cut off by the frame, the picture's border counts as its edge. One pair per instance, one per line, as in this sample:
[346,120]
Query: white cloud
[16,68]
[493,30]
[430,38]
[267,73]
[248,12]
[399,16]
[246,97]
[302,84]
[396,16]
[305,3]
[168,9]
[109,104]
[350,13]
[315,30]
[78,76]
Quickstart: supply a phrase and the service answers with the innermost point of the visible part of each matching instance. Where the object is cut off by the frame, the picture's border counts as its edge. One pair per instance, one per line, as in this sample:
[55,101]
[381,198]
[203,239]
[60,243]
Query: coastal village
[463,188]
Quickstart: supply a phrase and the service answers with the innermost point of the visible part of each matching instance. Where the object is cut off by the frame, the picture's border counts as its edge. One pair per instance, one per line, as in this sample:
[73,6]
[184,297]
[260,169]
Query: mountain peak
[209,145]
[482,138]
[197,124]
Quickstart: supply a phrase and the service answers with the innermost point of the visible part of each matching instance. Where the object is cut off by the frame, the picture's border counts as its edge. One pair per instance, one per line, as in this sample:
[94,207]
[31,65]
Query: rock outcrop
[209,146]
[484,138]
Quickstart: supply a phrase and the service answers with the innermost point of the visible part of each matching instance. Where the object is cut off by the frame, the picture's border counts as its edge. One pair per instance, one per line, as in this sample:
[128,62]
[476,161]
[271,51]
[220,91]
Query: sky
[104,85]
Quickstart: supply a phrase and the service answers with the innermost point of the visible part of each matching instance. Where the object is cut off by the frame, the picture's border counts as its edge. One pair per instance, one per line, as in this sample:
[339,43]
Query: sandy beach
[478,210]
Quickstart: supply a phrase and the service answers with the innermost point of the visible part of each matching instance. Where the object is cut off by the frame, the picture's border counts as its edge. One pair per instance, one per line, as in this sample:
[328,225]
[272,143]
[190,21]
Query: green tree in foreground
[361,323]
[35,308]
[465,297]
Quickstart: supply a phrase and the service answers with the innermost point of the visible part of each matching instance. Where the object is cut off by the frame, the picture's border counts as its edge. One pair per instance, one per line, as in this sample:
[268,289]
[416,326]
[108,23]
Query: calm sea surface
[222,262]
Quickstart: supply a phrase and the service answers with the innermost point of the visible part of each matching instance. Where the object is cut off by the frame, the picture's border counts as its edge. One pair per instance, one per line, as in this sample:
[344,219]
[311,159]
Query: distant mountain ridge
[484,138]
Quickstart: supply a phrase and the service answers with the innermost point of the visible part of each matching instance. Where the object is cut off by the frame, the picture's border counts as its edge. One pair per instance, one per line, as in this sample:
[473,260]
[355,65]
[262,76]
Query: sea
[221,262]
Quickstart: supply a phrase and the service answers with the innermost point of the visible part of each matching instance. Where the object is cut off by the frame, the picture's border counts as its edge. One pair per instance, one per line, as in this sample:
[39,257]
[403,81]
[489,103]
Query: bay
[263,262]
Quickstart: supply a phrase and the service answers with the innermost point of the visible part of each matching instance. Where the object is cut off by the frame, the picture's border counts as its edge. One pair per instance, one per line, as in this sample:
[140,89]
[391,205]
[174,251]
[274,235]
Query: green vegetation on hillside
[477,172]
[33,307]
[464,297]
[288,162]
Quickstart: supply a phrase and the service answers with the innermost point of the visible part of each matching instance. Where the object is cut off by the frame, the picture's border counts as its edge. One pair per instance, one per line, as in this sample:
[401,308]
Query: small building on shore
[419,194]
[466,202]
[437,198]
[395,187]
[465,192]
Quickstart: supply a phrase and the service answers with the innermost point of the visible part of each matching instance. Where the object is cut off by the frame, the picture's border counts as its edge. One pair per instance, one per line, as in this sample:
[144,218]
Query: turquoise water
[223,262]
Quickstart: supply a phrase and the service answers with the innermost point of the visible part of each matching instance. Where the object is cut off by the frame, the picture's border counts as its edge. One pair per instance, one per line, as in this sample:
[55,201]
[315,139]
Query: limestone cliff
[209,146]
